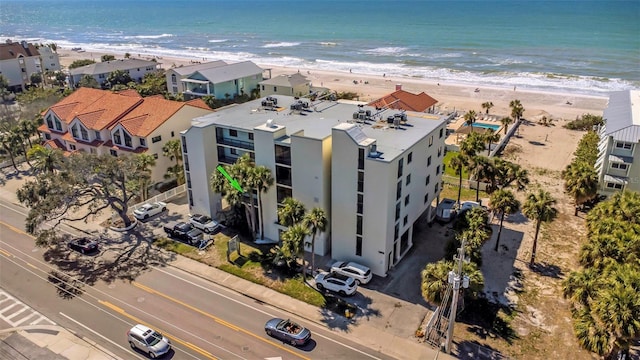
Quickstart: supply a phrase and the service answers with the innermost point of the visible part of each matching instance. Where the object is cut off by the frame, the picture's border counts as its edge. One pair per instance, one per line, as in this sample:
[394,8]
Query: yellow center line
[15,229]
[5,253]
[217,319]
[171,337]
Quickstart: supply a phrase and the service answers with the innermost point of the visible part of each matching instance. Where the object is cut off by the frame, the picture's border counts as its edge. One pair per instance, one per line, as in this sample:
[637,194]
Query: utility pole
[455,280]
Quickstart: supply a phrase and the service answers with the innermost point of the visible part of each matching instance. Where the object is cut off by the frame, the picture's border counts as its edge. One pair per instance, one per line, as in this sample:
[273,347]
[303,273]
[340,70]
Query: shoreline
[450,96]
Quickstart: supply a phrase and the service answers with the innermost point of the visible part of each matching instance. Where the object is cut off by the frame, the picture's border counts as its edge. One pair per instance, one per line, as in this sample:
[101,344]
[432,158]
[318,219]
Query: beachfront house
[404,100]
[375,173]
[136,68]
[118,123]
[174,76]
[291,85]
[19,60]
[223,82]
[618,163]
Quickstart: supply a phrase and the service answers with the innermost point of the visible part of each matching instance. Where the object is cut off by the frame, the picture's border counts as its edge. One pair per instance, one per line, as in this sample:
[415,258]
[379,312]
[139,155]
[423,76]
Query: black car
[84,245]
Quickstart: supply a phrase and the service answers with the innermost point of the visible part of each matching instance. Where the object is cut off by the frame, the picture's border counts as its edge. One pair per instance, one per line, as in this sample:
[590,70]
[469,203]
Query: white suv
[204,223]
[148,340]
[361,273]
[341,284]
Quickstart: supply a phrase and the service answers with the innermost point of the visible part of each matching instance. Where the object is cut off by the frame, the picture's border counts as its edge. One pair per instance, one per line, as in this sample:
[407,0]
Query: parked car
[148,210]
[148,340]
[204,223]
[341,284]
[287,331]
[84,245]
[360,273]
[184,231]
[445,211]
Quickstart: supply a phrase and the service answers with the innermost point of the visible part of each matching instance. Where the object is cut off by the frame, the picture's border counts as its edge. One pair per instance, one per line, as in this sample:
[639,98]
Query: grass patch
[448,170]
[175,246]
[451,192]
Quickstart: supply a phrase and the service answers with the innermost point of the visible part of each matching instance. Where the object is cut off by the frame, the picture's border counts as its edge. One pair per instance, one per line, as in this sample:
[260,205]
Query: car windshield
[154,338]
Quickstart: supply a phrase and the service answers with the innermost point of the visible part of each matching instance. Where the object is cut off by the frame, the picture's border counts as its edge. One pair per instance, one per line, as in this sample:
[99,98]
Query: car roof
[140,329]
[358,266]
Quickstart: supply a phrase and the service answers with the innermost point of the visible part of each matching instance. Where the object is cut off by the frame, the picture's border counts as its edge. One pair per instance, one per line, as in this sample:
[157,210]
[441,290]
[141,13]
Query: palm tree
[490,137]
[10,143]
[580,182]
[458,162]
[487,105]
[173,150]
[506,121]
[483,170]
[470,118]
[262,181]
[472,144]
[291,212]
[293,242]
[516,109]
[45,159]
[29,128]
[504,202]
[144,163]
[316,221]
[539,207]
[434,280]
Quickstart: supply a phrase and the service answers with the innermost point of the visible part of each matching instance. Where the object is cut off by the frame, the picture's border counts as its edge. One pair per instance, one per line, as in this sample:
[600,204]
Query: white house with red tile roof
[404,100]
[117,123]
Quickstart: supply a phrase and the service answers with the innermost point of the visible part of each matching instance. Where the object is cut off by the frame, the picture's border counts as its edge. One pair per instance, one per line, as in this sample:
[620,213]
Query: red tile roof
[12,50]
[149,115]
[404,100]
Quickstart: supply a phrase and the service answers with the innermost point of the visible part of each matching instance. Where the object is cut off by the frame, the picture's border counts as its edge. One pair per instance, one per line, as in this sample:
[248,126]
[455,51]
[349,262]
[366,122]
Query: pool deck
[455,138]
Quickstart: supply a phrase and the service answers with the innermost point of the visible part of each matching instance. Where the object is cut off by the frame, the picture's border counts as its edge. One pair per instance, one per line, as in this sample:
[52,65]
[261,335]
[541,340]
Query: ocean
[582,46]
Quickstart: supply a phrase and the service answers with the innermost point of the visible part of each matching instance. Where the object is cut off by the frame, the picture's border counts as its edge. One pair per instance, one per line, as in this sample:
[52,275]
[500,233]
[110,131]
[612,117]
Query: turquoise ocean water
[589,47]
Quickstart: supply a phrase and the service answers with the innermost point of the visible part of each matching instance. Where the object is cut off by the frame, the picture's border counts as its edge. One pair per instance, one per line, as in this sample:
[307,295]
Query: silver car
[148,340]
[360,273]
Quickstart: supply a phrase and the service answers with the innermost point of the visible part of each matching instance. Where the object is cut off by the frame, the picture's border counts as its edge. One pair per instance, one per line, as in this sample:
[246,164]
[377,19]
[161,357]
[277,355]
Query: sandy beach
[560,106]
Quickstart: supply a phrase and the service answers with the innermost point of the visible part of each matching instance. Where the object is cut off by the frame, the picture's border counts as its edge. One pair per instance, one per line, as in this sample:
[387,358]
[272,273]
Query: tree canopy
[81,63]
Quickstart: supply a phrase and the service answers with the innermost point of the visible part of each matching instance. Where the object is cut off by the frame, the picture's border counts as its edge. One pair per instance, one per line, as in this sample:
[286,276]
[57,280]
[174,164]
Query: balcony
[248,145]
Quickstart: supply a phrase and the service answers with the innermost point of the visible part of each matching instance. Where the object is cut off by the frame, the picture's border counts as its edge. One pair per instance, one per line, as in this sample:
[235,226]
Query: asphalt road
[202,320]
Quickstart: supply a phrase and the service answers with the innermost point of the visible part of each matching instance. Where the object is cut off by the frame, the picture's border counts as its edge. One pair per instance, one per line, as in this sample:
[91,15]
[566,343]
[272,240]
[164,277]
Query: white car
[204,223]
[148,340]
[341,284]
[148,210]
[360,273]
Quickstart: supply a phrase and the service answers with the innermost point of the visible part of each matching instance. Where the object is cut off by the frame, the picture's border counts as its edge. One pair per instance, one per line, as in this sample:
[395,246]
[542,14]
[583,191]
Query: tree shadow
[486,319]
[473,350]
[546,269]
[334,310]
[122,257]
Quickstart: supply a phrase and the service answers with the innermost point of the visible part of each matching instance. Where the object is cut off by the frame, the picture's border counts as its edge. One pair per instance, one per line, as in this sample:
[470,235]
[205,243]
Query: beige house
[19,60]
[104,122]
[290,85]
[618,163]
[136,68]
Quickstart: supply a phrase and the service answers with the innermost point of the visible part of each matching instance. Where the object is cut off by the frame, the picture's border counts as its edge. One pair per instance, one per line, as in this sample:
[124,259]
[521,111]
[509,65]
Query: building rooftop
[622,116]
[107,67]
[229,72]
[318,118]
[11,50]
[286,80]
[404,100]
[190,69]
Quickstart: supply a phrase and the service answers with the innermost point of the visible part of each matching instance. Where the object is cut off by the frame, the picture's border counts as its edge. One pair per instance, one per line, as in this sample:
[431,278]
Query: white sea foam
[328,43]
[392,50]
[148,36]
[280,44]
[218,40]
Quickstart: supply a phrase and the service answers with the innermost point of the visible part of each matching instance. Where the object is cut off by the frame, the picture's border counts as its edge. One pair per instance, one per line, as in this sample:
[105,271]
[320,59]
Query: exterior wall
[50,60]
[264,142]
[608,147]
[12,70]
[300,90]
[136,74]
[200,161]
[174,87]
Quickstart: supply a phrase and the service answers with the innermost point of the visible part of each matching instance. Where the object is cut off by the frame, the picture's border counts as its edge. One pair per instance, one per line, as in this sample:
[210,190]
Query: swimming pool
[486,126]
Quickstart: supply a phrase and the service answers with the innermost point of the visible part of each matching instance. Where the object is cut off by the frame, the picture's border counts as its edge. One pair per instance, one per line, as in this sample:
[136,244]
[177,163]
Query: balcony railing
[248,145]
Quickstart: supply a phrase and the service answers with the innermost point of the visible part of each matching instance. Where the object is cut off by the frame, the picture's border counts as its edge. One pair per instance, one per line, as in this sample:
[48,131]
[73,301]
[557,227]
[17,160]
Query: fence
[165,196]
[466,184]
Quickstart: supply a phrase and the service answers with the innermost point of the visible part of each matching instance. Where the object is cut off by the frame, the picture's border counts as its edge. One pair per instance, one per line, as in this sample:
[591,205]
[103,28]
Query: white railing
[165,196]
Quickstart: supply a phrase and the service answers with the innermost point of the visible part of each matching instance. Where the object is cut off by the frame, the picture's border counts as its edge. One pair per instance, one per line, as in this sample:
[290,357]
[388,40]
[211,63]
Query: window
[360,159]
[408,179]
[84,133]
[428,180]
[275,89]
[283,175]
[405,220]
[406,200]
[430,140]
[400,167]
[113,153]
[283,193]
[438,170]
[155,139]
[190,198]
[397,211]
[173,134]
[72,147]
[58,125]
[359,225]
[611,185]
[127,139]
[174,79]
[429,161]
[399,190]
[47,136]
[233,151]
[283,154]
[396,231]
[116,138]
[174,89]
[250,136]
[262,88]
[436,188]
[440,151]
[155,156]
[184,145]
[619,166]
[98,137]
[360,181]
[143,142]
[441,129]
[409,158]
[185,160]
[360,203]
[74,131]
[624,145]
[358,245]
[93,150]
[426,198]
[49,122]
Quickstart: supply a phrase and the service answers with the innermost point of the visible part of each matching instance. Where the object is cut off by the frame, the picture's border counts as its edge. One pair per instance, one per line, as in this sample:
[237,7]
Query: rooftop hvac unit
[362,116]
[368,112]
[355,115]
[390,119]
[396,122]
[270,123]
[272,100]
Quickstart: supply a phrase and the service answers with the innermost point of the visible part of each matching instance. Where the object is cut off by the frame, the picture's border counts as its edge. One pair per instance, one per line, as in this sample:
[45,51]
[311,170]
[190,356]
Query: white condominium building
[375,172]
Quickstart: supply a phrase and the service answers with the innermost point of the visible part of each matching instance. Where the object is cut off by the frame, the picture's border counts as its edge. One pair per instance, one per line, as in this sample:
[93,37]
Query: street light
[456,279]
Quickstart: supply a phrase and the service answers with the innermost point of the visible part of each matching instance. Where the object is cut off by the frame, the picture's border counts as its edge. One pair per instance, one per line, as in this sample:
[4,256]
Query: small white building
[374,172]
[618,163]
[136,68]
[291,85]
